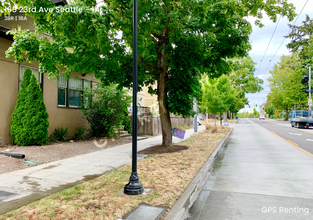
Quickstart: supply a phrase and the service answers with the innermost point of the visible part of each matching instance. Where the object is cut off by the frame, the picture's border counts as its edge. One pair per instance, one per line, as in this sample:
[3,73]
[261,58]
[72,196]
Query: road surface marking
[293,143]
[304,151]
[308,139]
[306,131]
[295,134]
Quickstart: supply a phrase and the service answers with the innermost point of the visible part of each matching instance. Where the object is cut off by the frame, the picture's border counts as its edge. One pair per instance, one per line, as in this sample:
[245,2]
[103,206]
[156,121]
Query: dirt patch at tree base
[160,149]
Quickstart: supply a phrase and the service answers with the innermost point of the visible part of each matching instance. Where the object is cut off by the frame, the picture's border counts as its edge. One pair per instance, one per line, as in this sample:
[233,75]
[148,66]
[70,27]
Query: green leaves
[107,110]
[300,39]
[177,41]
[16,125]
[286,89]
[218,95]
[29,124]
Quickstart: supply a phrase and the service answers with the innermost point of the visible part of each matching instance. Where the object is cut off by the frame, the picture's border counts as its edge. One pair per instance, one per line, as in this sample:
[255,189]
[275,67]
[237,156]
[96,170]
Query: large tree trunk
[162,91]
[164,113]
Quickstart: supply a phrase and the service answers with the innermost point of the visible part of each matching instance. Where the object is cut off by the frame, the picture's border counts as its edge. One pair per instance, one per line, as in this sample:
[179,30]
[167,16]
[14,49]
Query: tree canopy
[218,95]
[243,80]
[177,41]
[300,37]
[286,89]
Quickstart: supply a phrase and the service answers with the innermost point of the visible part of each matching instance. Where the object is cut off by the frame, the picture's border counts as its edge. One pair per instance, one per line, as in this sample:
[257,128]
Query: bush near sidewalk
[168,175]
[32,117]
[20,109]
[106,111]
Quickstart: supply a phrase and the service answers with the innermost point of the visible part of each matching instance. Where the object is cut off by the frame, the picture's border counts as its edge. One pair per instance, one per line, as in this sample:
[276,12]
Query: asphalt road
[259,176]
[301,138]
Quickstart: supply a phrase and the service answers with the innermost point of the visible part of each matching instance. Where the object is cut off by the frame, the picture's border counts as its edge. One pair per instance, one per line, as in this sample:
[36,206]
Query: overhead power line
[268,45]
[285,37]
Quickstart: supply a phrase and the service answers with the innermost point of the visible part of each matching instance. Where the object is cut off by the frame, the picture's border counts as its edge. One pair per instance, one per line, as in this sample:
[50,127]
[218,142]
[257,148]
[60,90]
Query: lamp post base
[133,187]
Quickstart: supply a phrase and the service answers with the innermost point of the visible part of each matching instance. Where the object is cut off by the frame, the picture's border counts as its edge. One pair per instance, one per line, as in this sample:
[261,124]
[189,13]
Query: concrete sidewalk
[259,176]
[22,187]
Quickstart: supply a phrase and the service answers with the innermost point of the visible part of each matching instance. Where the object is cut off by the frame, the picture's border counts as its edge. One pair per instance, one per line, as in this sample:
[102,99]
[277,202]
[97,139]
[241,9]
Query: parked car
[261,117]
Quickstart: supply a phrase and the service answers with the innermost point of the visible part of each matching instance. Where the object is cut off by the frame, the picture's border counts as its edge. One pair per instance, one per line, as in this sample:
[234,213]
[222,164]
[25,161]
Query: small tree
[270,110]
[217,95]
[35,121]
[20,109]
[255,112]
[106,111]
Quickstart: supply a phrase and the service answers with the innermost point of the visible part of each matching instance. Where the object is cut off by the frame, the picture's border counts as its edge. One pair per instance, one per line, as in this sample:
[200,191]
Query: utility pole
[310,82]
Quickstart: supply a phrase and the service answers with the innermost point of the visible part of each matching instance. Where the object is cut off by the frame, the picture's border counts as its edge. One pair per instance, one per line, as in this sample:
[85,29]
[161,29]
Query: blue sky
[260,39]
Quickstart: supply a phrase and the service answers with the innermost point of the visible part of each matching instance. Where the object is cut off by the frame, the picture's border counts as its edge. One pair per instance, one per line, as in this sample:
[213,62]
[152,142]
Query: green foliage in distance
[218,95]
[270,110]
[242,75]
[255,113]
[177,41]
[243,115]
[301,39]
[286,89]
[20,109]
[106,111]
[243,80]
[35,121]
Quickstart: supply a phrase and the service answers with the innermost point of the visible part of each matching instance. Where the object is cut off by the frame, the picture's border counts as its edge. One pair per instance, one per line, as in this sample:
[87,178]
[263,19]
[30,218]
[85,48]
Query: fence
[151,125]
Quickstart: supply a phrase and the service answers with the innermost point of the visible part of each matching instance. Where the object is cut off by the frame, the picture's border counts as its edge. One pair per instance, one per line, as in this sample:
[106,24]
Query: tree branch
[153,74]
[153,40]
[147,65]
[156,35]
[165,7]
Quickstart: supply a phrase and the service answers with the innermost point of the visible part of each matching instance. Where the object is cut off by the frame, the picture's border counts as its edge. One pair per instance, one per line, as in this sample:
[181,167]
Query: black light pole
[134,187]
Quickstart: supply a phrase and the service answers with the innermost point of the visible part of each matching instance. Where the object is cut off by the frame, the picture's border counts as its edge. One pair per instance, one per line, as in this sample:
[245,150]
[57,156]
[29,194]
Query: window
[70,91]
[75,92]
[62,87]
[35,71]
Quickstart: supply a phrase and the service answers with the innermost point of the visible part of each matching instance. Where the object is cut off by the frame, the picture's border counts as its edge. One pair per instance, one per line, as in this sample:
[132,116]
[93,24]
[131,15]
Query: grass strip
[168,175]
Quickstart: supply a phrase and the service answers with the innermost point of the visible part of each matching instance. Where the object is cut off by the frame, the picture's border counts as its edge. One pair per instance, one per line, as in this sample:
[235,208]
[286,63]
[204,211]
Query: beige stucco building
[62,97]
[151,101]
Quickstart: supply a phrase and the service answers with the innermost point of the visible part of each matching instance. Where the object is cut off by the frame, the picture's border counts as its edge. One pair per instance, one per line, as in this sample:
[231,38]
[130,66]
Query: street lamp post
[134,187]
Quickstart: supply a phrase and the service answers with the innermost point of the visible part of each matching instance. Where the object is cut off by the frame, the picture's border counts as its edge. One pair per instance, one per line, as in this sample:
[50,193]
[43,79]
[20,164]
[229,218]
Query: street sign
[276,111]
[178,133]
[309,101]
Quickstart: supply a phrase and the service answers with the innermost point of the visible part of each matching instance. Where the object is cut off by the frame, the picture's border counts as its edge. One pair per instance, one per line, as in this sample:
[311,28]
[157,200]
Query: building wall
[58,117]
[151,101]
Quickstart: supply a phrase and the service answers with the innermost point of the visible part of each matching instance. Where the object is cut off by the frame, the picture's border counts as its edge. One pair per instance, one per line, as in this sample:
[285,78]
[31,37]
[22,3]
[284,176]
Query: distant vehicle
[301,116]
[261,117]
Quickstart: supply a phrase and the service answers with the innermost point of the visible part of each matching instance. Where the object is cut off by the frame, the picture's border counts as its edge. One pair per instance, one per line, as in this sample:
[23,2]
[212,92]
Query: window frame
[20,81]
[67,90]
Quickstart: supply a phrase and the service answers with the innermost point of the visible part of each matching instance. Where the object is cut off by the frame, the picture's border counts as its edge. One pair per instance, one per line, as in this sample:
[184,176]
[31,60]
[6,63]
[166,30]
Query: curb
[181,207]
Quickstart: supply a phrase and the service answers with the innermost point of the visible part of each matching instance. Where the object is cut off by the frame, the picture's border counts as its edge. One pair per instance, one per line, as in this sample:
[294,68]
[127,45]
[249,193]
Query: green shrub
[20,109]
[106,110]
[79,133]
[126,122]
[59,134]
[33,117]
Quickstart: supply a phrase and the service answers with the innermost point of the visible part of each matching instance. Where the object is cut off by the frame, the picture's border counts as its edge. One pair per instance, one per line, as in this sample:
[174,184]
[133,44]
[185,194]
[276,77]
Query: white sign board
[310,102]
